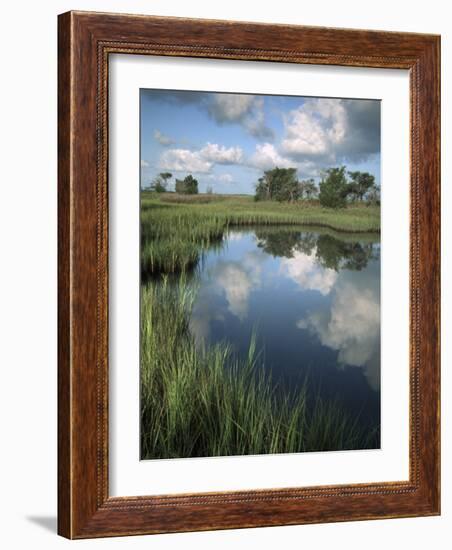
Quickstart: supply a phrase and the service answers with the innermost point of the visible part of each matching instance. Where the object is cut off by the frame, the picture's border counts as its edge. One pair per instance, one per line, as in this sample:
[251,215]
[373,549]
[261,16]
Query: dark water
[313,300]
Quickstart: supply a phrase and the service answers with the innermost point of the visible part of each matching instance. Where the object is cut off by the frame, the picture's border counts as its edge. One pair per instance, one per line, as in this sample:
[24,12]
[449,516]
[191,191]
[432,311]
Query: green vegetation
[329,251]
[279,184]
[160,183]
[209,403]
[187,186]
[361,183]
[307,189]
[334,191]
[176,229]
[334,188]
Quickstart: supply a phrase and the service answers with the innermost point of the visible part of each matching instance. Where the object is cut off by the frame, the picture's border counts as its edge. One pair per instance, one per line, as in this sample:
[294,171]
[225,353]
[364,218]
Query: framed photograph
[248,275]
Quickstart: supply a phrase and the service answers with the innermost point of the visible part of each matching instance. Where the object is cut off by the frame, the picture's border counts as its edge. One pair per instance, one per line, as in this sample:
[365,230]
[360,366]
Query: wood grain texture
[85,42]
[64,294]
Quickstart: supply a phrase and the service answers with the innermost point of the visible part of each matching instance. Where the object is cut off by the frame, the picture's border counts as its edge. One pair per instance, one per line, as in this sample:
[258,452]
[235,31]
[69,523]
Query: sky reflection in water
[314,300]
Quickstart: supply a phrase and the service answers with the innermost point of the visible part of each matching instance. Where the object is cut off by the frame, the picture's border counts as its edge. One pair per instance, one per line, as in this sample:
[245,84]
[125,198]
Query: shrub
[334,188]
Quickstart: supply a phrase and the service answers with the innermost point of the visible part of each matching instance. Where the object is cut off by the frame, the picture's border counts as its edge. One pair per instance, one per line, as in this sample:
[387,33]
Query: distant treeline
[187,186]
[337,187]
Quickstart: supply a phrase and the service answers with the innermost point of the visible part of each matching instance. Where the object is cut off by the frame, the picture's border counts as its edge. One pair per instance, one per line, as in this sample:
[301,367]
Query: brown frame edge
[85,40]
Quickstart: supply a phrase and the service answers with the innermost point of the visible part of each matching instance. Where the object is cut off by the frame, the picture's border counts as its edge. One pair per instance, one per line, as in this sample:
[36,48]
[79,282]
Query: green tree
[361,183]
[187,186]
[333,188]
[180,187]
[307,189]
[191,185]
[279,184]
[158,185]
[166,176]
[373,196]
[160,182]
[262,189]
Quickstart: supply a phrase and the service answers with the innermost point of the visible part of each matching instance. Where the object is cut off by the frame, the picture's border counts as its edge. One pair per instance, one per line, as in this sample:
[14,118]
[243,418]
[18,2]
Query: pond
[313,300]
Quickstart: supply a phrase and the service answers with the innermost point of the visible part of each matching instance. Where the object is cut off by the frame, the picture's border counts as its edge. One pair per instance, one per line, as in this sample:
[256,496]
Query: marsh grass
[177,198]
[207,402]
[176,232]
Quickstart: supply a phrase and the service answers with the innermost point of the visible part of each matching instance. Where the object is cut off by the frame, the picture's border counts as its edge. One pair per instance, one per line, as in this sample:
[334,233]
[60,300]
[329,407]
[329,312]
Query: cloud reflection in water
[336,291]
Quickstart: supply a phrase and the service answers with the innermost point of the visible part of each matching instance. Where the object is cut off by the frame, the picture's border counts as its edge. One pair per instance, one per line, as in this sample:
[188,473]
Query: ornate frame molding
[85,42]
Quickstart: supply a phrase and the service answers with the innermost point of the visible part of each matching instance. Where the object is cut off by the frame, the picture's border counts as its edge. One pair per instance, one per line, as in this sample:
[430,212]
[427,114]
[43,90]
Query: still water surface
[313,300]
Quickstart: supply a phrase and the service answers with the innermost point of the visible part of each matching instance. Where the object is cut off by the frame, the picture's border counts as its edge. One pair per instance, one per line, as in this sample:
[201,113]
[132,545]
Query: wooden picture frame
[85,42]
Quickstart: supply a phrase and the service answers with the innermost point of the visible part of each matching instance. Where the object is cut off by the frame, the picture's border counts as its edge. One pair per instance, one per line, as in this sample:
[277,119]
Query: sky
[226,141]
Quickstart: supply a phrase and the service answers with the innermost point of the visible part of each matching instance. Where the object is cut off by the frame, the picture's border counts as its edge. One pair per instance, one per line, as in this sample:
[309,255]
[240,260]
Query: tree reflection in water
[330,252]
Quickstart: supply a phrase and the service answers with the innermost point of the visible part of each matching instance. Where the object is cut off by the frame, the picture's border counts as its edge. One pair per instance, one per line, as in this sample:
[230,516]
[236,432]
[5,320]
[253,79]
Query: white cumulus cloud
[267,157]
[201,161]
[315,128]
[184,160]
[219,154]
[330,130]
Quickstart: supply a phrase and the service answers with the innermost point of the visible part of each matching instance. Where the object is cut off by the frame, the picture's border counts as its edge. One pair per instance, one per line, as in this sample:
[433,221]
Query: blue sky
[227,140]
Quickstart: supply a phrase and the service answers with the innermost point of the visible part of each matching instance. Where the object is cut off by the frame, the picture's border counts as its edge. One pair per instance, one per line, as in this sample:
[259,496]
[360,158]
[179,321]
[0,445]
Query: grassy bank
[208,403]
[175,229]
